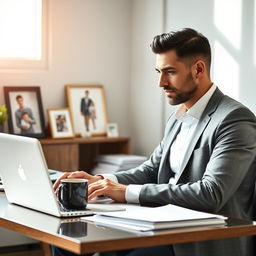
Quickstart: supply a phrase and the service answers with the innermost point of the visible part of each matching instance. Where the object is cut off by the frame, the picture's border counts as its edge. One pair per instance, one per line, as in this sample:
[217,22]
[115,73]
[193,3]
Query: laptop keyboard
[66,212]
[63,209]
[51,172]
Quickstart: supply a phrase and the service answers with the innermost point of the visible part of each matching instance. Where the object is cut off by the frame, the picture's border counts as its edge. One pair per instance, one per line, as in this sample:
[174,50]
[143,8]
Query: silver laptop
[54,175]
[26,178]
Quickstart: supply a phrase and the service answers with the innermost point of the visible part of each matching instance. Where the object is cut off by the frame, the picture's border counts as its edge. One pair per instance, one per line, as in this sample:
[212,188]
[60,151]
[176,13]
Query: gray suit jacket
[217,175]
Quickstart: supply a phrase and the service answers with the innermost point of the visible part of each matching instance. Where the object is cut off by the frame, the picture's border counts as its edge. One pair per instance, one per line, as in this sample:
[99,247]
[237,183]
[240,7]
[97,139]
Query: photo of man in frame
[87,109]
[24,117]
[25,110]
[87,105]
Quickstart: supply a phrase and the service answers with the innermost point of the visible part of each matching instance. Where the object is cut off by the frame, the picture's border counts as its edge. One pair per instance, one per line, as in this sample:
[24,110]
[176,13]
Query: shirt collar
[196,111]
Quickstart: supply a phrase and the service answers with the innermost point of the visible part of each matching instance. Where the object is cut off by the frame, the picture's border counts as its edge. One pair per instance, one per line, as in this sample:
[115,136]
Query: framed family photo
[25,111]
[87,106]
[60,123]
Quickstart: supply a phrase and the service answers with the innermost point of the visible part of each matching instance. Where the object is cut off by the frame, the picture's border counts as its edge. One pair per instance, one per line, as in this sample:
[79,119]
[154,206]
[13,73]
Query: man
[84,108]
[24,117]
[206,160]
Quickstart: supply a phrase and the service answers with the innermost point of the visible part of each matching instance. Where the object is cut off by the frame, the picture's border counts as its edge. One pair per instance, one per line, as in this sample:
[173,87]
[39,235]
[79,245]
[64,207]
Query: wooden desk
[90,238]
[80,153]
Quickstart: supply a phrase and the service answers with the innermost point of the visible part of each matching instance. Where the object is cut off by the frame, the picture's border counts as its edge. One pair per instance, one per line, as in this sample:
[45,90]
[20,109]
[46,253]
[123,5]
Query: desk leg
[45,249]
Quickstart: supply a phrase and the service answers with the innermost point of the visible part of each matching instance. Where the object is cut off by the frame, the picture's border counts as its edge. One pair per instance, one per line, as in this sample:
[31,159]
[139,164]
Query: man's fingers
[80,175]
[108,188]
[98,192]
[76,174]
[57,182]
[98,188]
[95,186]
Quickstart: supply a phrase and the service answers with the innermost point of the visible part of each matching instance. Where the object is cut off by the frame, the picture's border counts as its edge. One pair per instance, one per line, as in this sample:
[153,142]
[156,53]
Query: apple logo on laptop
[21,172]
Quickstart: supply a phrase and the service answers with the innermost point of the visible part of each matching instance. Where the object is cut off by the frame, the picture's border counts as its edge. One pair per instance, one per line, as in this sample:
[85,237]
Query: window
[22,34]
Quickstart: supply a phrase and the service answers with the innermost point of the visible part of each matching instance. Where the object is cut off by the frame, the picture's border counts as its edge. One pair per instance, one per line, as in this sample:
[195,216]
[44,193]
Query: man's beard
[182,97]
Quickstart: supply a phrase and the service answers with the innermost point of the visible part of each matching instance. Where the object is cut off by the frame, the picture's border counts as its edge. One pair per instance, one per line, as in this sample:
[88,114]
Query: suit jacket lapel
[171,136]
[206,117]
[199,130]
[165,172]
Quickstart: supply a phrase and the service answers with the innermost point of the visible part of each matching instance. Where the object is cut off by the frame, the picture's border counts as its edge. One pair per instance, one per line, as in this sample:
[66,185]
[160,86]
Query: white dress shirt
[189,119]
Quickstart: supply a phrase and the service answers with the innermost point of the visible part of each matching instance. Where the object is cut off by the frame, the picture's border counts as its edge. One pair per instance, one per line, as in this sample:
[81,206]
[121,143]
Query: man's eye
[171,72]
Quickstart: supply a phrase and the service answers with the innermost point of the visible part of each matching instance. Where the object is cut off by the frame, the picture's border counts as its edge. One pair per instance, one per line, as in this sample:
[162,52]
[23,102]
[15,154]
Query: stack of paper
[116,162]
[148,219]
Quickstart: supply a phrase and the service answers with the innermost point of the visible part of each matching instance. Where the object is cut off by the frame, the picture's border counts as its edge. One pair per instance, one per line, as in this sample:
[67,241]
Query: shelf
[73,154]
[88,140]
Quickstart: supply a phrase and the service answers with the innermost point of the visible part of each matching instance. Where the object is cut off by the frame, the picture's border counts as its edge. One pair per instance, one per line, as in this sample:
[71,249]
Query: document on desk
[164,217]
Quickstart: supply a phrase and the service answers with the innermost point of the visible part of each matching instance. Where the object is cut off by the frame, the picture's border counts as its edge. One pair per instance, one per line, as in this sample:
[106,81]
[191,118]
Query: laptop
[54,175]
[26,179]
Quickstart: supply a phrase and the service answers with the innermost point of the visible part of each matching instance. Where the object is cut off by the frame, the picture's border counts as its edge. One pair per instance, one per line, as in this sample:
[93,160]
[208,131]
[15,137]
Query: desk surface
[83,237]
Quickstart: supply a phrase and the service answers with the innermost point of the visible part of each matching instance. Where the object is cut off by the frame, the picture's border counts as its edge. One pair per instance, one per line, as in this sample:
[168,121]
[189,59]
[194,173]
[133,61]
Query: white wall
[107,42]
[146,97]
[89,44]
[229,25]
[230,28]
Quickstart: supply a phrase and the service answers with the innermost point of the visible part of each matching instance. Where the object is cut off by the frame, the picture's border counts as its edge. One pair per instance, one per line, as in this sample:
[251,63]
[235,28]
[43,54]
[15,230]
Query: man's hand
[106,187]
[76,175]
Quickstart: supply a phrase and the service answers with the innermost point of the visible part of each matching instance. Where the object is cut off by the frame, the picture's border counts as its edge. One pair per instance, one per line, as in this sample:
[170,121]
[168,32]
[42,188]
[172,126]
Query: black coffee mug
[73,193]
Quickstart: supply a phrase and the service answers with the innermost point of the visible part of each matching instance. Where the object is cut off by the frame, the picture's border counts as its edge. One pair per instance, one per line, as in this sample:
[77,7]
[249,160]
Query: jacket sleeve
[148,171]
[232,161]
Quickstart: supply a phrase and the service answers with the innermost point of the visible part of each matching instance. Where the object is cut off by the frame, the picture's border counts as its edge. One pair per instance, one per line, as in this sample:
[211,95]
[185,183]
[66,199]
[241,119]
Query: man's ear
[199,68]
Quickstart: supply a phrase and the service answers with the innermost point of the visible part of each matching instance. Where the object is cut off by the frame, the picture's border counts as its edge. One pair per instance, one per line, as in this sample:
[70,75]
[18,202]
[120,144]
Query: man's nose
[163,81]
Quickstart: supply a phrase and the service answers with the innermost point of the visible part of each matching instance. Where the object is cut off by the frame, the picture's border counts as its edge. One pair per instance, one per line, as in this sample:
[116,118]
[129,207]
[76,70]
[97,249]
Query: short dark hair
[19,97]
[186,43]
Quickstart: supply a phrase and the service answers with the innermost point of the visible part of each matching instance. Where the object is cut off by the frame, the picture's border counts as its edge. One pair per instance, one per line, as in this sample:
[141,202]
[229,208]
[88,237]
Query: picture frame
[60,123]
[25,111]
[87,104]
[112,130]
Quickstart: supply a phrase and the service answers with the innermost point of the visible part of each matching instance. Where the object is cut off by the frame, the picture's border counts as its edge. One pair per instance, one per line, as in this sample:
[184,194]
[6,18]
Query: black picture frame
[27,120]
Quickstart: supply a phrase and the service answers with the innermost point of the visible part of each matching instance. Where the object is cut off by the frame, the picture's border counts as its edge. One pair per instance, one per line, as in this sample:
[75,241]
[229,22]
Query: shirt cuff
[109,176]
[132,193]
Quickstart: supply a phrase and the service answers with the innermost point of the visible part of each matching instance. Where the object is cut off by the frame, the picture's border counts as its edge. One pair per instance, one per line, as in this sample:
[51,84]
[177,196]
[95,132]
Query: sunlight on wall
[226,71]
[227,18]
[21,29]
[254,47]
